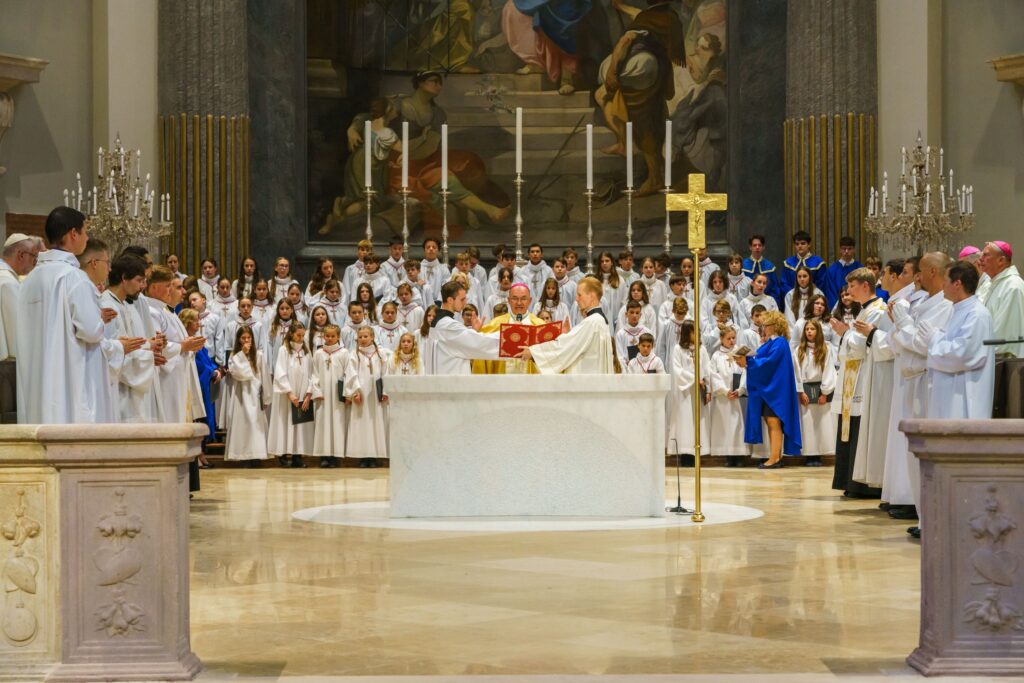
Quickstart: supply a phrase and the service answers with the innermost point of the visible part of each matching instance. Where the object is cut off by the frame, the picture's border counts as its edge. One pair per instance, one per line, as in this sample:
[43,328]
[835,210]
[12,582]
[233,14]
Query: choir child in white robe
[356,321]
[535,272]
[712,334]
[244,318]
[726,412]
[506,261]
[245,419]
[668,330]
[676,286]
[499,295]
[739,283]
[814,361]
[686,389]
[335,384]
[278,328]
[318,320]
[433,272]
[645,362]
[245,284]
[367,429]
[262,306]
[552,301]
[136,380]
[394,266]
[477,271]
[420,291]
[424,340]
[627,339]
[293,388]
[282,279]
[476,294]
[224,302]
[332,302]
[410,313]
[566,285]
[572,268]
[354,272]
[718,290]
[757,296]
[406,359]
[707,267]
[648,314]
[815,309]
[797,298]
[298,303]
[376,279]
[625,267]
[455,345]
[211,326]
[209,278]
[389,330]
[657,291]
[614,292]
[315,289]
[586,349]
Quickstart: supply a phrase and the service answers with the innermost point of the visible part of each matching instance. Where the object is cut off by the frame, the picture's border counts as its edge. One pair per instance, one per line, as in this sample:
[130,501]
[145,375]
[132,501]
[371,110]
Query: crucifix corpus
[696,203]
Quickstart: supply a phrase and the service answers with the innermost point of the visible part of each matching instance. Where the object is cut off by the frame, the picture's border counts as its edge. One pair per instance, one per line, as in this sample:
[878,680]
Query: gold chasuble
[513,366]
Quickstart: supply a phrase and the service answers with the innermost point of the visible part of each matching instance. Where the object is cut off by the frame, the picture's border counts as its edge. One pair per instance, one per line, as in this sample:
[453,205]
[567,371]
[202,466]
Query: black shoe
[884,507]
[365,463]
[914,531]
[206,466]
[253,464]
[766,466]
[335,462]
[325,462]
[297,462]
[903,512]
[283,460]
[813,461]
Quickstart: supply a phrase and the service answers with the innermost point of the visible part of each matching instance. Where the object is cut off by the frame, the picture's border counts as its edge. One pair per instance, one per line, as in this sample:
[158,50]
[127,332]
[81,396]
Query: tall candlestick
[668,152]
[590,156]
[444,156]
[368,154]
[405,154]
[629,154]
[519,140]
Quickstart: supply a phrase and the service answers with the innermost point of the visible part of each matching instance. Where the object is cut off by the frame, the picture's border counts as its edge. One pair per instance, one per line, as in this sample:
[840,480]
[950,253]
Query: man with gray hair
[18,259]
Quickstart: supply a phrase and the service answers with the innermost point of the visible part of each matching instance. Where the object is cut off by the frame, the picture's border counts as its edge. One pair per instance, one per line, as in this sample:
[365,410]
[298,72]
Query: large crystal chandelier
[929,213]
[121,207]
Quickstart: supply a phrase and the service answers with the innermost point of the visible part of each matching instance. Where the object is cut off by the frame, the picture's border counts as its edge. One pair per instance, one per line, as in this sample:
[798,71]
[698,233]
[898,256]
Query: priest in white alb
[586,349]
[455,345]
[1005,299]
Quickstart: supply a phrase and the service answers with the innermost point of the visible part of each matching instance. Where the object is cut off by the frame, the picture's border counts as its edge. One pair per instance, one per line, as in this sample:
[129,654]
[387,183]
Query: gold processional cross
[696,203]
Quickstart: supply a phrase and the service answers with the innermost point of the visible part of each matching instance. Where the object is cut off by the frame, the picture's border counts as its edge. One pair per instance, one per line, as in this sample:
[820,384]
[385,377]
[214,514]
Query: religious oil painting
[660,64]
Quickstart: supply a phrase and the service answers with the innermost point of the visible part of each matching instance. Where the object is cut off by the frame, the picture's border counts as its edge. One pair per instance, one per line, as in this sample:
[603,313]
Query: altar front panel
[536,445]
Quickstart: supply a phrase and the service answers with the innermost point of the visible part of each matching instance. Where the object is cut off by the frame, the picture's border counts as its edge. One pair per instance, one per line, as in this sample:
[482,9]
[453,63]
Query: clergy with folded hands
[586,349]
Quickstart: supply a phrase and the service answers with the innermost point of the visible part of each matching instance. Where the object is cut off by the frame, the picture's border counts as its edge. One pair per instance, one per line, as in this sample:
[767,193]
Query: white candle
[942,198]
[904,201]
[942,161]
[927,158]
[78,179]
[970,199]
[138,163]
[145,193]
[914,178]
[668,152]
[444,156]
[368,154]
[590,156]
[405,154]
[152,204]
[903,161]
[66,201]
[951,183]
[629,155]
[519,140]
[95,197]
[122,161]
[871,202]
[117,210]
[136,207]
[959,202]
[927,198]
[100,162]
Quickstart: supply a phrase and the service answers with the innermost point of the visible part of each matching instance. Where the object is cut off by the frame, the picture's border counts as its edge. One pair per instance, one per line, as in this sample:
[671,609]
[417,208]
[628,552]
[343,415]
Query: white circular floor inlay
[376,515]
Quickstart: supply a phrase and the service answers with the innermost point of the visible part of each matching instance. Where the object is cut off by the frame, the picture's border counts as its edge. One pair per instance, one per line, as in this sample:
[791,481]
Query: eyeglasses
[100,260]
[34,256]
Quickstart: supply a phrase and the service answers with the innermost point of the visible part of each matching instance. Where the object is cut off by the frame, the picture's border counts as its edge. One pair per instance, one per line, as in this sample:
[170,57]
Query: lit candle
[405,154]
[629,155]
[138,163]
[368,154]
[970,199]
[959,201]
[519,140]
[66,201]
[590,156]
[942,198]
[122,161]
[668,152]
[78,179]
[152,204]
[95,197]
[951,183]
[444,156]
[101,162]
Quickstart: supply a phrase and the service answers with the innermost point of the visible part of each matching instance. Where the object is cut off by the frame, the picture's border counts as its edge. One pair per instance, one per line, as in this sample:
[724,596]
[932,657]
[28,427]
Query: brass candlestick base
[369,192]
[444,225]
[629,192]
[405,220]
[589,194]
[518,182]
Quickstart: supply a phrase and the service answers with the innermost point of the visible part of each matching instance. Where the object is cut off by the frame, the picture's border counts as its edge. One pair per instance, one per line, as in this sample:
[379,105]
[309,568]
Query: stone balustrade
[94,552]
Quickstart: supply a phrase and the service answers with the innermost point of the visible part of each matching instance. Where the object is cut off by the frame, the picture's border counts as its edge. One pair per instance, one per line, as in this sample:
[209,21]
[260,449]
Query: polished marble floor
[817,585]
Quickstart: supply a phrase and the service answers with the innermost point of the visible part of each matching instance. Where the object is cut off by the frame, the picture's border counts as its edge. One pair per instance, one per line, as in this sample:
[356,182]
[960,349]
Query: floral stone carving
[118,561]
[994,566]
[20,624]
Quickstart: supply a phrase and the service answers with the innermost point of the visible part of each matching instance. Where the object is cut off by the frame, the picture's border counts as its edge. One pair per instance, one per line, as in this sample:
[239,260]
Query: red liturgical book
[515,337]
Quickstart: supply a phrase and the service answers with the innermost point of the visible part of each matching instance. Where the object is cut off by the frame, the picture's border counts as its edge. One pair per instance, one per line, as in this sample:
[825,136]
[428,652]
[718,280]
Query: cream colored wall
[983,126]
[52,134]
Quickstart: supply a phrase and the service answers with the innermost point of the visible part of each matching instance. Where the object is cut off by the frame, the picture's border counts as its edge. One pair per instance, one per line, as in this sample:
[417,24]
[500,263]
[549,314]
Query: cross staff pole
[696,202]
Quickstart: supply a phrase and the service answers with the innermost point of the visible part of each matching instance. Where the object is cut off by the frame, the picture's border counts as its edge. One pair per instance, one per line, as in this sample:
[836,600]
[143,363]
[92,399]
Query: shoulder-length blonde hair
[776,321]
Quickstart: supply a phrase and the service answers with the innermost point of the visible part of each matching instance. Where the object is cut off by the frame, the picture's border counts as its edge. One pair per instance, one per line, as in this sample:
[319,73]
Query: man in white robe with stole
[586,349]
[853,381]
[901,485]
[898,280]
[59,333]
[181,398]
[455,345]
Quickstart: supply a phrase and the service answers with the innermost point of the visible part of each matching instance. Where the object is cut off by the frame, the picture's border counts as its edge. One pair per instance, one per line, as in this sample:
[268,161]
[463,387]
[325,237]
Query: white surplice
[137,377]
[245,420]
[668,338]
[534,277]
[628,336]
[961,370]
[367,426]
[59,324]
[913,329]
[10,285]
[180,396]
[1005,303]
[744,318]
[455,345]
[657,291]
[434,274]
[293,373]
[869,462]
[726,415]
[586,349]
[645,365]
[388,335]
[817,424]
[685,390]
[331,366]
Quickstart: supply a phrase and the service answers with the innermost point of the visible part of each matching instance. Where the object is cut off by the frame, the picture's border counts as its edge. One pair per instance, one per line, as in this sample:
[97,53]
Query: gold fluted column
[830,163]
[204,165]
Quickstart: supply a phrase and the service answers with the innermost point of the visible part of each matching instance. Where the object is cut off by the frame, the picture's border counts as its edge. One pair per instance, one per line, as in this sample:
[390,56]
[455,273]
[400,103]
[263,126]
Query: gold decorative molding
[14,71]
[1010,69]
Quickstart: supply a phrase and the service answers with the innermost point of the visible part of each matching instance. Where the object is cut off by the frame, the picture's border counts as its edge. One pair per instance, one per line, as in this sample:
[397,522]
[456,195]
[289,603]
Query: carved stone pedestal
[972,546]
[94,550]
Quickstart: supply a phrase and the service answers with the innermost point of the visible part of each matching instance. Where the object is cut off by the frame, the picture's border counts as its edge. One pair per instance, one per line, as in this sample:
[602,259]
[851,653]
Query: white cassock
[708,301]
[208,287]
[817,424]
[1005,303]
[379,283]
[434,274]
[913,328]
[394,270]
[852,381]
[534,277]
[337,311]
[263,311]
[611,299]
[668,338]
[112,356]
[350,332]
[961,370]
[9,288]
[626,338]
[352,273]
[246,421]
[797,331]
[455,345]
[247,286]
[657,291]
[181,398]
[726,415]
[367,425]
[493,300]
[293,373]
[59,324]
[211,326]
[744,318]
[279,287]
[645,365]
[331,366]
[425,345]
[256,328]
[137,377]
[586,349]
[567,291]
[225,308]
[575,274]
[869,462]
[805,296]
[559,311]
[685,390]
[648,318]
[411,316]
[739,285]
[389,335]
